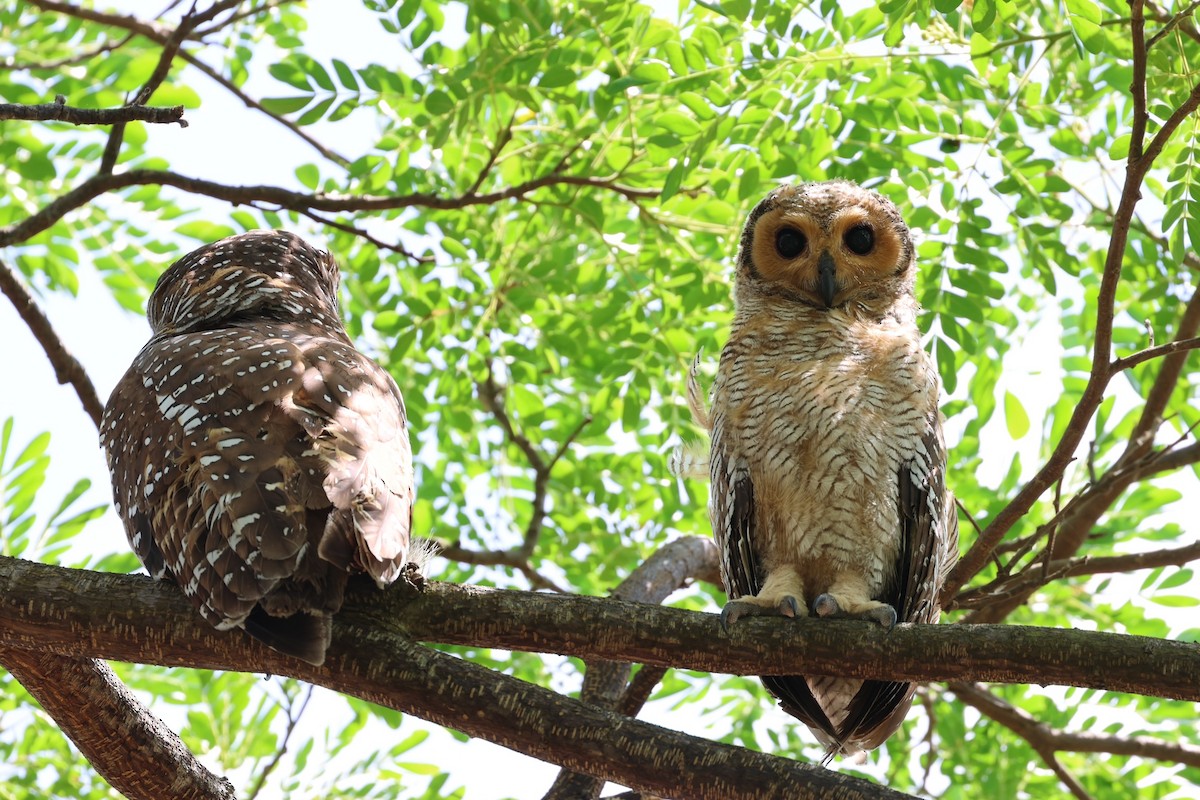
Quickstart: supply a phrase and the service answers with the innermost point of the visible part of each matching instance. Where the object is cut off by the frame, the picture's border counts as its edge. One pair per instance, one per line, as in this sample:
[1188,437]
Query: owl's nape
[827,460]
[249,440]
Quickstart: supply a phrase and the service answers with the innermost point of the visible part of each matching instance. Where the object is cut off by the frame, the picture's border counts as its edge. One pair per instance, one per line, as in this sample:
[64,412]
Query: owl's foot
[734,610]
[826,605]
[413,574]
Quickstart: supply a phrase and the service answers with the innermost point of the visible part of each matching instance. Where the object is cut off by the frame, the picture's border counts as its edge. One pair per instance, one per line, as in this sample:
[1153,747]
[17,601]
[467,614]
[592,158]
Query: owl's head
[270,275]
[827,245]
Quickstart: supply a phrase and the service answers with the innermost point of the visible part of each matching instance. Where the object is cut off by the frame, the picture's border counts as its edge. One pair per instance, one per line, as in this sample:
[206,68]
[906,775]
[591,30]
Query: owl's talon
[734,610]
[826,605]
[884,615]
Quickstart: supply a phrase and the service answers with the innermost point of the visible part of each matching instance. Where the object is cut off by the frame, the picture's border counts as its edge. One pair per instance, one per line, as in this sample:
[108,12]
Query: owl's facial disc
[828,256]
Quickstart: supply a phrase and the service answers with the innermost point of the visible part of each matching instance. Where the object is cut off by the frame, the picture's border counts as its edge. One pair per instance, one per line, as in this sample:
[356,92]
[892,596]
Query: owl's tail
[303,635]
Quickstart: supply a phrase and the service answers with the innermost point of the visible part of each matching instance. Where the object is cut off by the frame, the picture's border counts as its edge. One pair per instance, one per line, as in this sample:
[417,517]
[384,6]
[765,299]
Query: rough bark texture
[607,683]
[153,763]
[134,618]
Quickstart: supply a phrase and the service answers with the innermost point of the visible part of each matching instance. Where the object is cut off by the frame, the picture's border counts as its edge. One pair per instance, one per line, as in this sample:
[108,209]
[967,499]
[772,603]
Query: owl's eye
[860,239]
[790,242]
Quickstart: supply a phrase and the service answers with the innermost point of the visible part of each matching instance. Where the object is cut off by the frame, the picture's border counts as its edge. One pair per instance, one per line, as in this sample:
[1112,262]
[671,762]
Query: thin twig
[9,64]
[1031,730]
[97,185]
[365,236]
[59,111]
[294,714]
[116,136]
[67,368]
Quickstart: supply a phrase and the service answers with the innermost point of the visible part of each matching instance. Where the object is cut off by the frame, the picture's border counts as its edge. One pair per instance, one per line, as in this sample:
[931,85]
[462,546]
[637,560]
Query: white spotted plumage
[258,458]
[827,460]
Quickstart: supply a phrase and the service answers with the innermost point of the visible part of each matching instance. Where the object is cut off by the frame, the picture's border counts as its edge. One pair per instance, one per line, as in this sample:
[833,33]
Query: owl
[827,459]
[257,458]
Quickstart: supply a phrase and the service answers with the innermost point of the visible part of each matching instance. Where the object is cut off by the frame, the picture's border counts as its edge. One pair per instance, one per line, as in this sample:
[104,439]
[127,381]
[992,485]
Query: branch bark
[607,683]
[59,111]
[154,762]
[133,618]
[97,185]
[373,658]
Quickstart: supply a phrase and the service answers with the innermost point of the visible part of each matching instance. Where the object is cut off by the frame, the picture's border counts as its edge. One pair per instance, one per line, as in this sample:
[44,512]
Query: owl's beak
[826,280]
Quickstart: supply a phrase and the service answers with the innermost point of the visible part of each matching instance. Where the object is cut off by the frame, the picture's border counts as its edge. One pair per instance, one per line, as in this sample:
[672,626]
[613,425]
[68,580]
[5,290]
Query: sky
[105,338]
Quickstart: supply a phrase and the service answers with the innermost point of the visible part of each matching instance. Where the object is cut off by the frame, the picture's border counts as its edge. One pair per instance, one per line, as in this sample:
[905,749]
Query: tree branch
[67,368]
[97,185]
[161,34]
[1041,735]
[58,111]
[52,609]
[606,683]
[95,710]
[133,618]
[116,136]
[1138,164]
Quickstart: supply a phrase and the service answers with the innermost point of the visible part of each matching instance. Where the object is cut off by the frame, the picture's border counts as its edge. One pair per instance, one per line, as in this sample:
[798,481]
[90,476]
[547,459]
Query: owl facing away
[827,458]
[258,459]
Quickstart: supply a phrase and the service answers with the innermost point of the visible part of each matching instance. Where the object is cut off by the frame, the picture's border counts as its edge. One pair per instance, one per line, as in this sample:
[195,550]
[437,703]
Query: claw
[884,615]
[736,609]
[826,605]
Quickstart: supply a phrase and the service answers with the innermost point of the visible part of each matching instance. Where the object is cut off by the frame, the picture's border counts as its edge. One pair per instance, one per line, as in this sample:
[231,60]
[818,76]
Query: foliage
[562,185]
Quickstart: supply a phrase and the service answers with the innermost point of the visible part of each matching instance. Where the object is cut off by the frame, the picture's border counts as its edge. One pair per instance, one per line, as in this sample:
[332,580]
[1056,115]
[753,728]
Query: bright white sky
[228,143]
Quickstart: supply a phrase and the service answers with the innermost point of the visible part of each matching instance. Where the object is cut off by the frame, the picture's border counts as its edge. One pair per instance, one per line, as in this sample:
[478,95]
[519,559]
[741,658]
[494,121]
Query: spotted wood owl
[827,458]
[257,457]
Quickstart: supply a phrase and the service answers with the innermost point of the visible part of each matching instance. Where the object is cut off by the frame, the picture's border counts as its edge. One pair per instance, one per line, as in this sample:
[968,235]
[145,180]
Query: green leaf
[678,123]
[438,102]
[291,74]
[308,175]
[285,105]
[557,77]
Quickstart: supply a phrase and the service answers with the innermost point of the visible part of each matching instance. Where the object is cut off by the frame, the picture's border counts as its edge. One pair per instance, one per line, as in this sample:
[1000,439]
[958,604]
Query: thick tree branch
[67,368]
[46,607]
[58,111]
[94,709]
[132,618]
[607,683]
[97,185]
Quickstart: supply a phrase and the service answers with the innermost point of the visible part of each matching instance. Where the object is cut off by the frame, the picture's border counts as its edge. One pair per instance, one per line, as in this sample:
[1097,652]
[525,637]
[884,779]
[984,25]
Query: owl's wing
[929,533]
[733,509]
[206,479]
[355,415]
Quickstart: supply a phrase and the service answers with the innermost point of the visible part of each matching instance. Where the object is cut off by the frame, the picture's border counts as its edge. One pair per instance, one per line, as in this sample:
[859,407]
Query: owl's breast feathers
[828,459]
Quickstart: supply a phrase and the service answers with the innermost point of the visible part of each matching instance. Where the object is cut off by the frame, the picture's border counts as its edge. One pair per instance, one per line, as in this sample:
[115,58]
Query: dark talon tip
[885,616]
[788,607]
[725,619]
[826,606]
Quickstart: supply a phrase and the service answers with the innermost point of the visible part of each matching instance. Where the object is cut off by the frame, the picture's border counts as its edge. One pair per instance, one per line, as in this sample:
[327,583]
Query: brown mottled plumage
[827,459]
[257,457]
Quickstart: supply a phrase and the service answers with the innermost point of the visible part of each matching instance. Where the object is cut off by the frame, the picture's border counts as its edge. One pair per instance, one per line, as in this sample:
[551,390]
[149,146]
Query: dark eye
[790,242]
[860,239]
